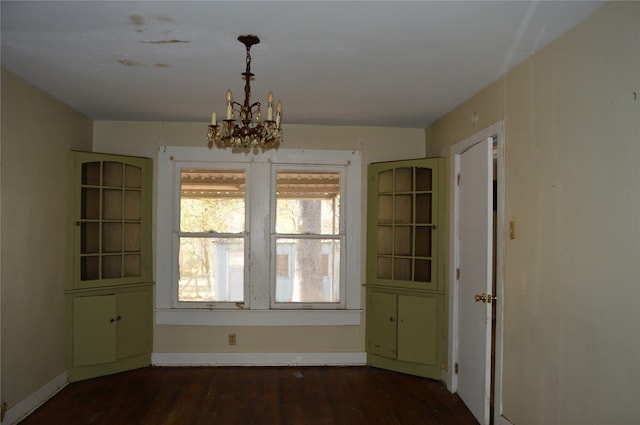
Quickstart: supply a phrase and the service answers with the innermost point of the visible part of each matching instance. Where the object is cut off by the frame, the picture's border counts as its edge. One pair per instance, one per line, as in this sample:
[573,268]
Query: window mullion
[258,223]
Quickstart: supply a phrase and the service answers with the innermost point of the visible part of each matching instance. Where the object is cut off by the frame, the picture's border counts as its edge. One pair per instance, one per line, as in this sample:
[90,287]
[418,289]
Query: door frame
[450,376]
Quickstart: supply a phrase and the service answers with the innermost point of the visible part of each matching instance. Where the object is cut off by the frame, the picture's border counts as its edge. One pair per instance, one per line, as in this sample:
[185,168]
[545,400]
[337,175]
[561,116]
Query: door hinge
[457,274]
[458,179]
[455,369]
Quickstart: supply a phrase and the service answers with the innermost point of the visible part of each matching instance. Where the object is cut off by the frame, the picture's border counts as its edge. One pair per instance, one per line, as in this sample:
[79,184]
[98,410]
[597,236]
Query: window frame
[341,236]
[256,311]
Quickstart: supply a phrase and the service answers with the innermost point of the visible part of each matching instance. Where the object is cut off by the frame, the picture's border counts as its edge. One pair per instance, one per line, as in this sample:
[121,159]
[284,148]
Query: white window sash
[177,166]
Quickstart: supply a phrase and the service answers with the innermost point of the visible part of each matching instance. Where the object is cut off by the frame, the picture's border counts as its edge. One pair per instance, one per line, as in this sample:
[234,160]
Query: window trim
[257,311]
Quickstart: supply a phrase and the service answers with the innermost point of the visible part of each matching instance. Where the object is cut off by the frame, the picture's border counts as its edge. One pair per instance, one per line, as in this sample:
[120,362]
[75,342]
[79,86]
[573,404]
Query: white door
[475,230]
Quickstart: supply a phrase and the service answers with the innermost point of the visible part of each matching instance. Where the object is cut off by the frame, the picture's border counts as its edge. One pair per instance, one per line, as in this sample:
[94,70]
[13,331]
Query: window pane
[403,242]
[212,201]
[404,179]
[211,269]
[112,237]
[112,174]
[91,173]
[308,202]
[424,179]
[385,181]
[90,237]
[403,209]
[111,266]
[112,204]
[314,266]
[132,176]
[90,204]
[132,204]
[402,269]
[131,265]
[90,267]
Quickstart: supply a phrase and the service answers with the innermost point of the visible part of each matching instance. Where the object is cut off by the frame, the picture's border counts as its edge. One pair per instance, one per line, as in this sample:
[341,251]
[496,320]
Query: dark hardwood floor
[254,395]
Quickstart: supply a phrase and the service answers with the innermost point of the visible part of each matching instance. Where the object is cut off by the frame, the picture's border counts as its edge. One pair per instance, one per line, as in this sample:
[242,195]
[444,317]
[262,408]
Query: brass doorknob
[485,298]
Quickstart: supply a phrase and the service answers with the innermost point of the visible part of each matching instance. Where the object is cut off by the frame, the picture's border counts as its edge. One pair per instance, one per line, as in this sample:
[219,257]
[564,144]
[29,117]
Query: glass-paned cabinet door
[404,212]
[111,223]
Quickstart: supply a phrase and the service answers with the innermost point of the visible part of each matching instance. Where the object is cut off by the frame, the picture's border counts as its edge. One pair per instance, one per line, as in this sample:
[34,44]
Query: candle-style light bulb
[270,107]
[278,114]
[214,118]
[229,105]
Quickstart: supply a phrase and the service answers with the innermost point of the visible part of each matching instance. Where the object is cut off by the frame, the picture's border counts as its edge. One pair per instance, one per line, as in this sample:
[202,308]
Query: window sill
[186,317]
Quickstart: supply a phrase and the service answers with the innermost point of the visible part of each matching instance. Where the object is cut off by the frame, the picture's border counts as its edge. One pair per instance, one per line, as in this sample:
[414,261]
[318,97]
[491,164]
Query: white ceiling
[371,63]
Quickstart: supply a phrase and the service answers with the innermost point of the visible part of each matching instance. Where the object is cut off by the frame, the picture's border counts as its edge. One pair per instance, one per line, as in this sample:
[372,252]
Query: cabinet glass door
[403,223]
[110,220]
[111,207]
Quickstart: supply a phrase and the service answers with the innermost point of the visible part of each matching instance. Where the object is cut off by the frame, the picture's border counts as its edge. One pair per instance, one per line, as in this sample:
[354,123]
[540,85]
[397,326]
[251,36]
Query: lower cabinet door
[110,330]
[94,330]
[134,323]
[404,331]
[417,329]
[382,311]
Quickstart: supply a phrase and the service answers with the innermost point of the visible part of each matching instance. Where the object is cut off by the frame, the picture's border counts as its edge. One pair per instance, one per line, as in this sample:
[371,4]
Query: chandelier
[251,131]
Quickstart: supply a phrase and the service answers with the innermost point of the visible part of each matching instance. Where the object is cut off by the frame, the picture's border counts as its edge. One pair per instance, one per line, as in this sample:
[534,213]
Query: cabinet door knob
[112,320]
[391,319]
[119,318]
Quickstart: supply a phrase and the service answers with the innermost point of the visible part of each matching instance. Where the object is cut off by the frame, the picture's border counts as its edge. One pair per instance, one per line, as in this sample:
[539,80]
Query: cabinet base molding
[259,359]
[501,420]
[417,369]
[36,399]
[80,373]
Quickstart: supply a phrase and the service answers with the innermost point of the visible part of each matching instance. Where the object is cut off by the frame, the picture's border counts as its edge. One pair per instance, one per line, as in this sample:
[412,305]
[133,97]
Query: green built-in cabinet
[405,276]
[109,293]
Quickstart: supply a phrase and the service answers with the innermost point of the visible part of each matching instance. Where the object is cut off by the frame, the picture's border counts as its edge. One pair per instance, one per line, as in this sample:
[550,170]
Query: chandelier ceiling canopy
[249,131]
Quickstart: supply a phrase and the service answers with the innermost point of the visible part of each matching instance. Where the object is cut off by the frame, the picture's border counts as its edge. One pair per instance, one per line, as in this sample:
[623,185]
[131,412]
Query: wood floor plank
[254,395]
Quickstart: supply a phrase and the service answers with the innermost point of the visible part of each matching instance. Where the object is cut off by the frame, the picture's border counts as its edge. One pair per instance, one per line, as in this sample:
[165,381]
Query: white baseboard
[259,359]
[35,400]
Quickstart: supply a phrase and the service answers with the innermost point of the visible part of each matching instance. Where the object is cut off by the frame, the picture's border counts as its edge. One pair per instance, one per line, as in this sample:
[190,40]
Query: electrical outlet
[232,339]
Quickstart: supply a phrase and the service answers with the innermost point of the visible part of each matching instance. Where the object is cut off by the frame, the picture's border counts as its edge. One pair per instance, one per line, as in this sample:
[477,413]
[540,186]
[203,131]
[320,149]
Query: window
[212,235]
[269,233]
[307,229]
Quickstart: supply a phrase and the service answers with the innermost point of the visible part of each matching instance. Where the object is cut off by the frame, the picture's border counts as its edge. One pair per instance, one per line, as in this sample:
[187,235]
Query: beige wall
[376,144]
[37,133]
[572,277]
